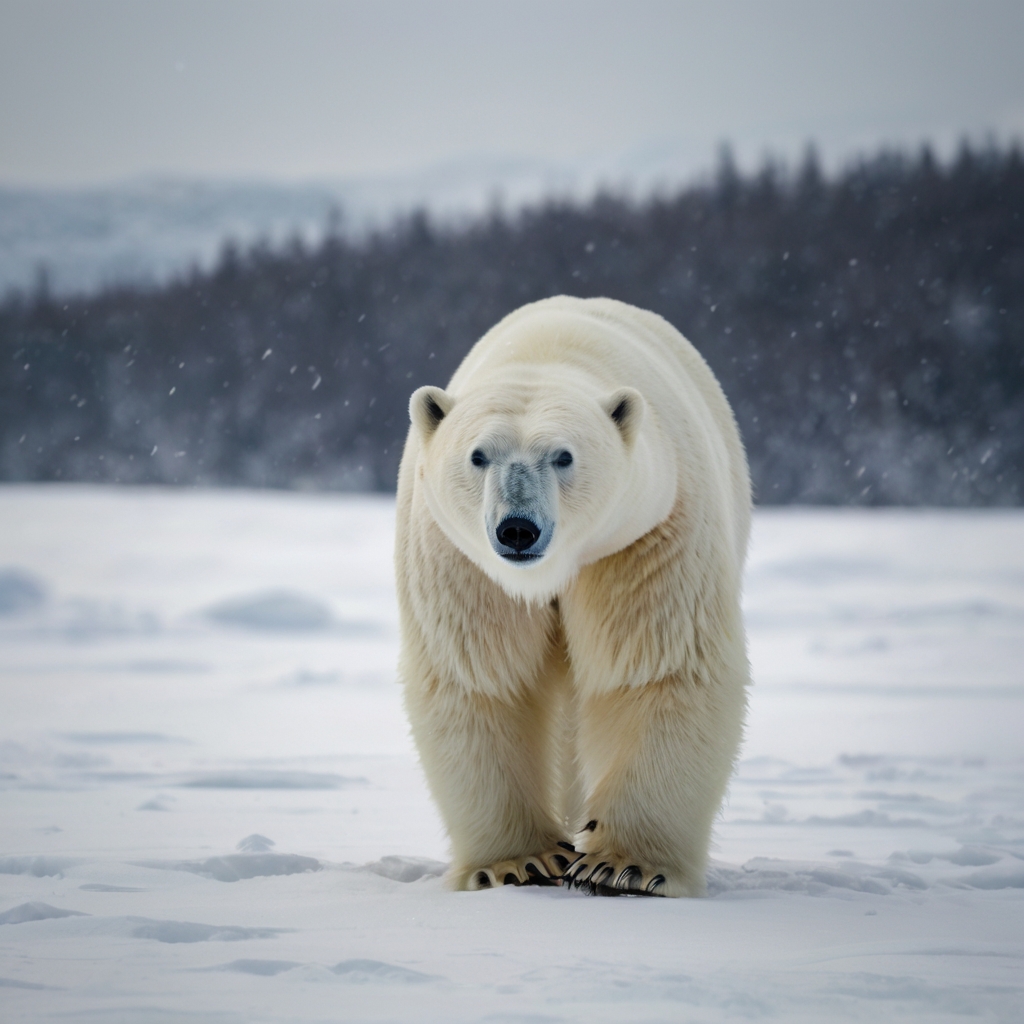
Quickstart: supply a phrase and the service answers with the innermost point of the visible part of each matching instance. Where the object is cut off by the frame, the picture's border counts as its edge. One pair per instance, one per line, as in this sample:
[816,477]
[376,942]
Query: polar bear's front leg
[487,763]
[655,761]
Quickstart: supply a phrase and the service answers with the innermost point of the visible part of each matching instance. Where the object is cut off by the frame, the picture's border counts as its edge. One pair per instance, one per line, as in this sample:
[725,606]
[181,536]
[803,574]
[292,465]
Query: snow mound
[972,856]
[823,569]
[274,610]
[19,591]
[35,911]
[101,887]
[156,803]
[84,619]
[304,677]
[116,738]
[998,870]
[866,819]
[809,878]
[263,779]
[189,931]
[261,968]
[255,844]
[406,869]
[1004,876]
[362,971]
[236,866]
[40,867]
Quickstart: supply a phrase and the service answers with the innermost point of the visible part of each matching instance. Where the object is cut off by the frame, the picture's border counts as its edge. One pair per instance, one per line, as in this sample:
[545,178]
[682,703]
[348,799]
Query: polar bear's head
[531,479]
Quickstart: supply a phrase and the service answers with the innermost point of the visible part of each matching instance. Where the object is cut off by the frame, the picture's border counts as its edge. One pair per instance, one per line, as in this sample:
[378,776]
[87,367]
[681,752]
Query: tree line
[868,328]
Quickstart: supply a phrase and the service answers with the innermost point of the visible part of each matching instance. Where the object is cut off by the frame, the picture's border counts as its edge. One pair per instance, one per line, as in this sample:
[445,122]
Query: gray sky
[98,90]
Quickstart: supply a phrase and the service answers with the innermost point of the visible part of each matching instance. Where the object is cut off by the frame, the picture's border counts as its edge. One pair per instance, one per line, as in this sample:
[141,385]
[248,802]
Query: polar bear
[573,513]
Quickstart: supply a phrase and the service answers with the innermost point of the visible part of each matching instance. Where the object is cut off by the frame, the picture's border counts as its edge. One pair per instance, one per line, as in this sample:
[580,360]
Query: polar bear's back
[615,344]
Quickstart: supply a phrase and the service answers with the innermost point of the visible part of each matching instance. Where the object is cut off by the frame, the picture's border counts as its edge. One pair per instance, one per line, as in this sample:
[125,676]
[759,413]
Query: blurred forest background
[867,327]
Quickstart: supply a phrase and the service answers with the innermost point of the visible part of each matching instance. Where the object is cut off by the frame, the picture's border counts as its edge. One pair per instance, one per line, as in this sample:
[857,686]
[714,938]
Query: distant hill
[147,230]
[868,328]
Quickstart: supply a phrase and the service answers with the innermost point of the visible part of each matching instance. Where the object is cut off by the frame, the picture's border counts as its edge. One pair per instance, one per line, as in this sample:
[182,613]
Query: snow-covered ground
[210,809]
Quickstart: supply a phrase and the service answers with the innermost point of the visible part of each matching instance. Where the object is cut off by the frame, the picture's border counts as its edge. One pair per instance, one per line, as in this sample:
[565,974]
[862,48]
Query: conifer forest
[867,327]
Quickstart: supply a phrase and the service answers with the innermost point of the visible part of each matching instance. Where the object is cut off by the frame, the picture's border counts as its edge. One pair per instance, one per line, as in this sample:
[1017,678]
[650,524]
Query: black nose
[517,533]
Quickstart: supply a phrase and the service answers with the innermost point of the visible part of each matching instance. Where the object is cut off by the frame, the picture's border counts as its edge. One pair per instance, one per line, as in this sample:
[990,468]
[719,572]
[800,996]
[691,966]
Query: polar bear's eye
[563,459]
[478,458]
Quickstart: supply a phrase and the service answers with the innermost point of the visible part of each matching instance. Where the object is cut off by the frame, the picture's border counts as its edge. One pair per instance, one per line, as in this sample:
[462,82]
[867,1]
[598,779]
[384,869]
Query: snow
[210,808]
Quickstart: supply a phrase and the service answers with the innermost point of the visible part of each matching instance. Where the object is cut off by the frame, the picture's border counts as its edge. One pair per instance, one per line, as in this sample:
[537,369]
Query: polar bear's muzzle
[520,523]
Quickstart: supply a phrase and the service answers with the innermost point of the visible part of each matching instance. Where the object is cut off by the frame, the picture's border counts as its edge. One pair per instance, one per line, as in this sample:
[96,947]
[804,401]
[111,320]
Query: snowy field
[210,809]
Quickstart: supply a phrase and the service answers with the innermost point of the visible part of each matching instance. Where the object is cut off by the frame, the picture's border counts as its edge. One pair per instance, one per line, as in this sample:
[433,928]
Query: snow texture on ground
[210,808]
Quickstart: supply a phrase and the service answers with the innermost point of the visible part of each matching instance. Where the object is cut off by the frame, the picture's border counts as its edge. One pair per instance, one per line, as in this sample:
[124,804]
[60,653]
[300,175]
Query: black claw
[574,866]
[511,879]
[483,881]
[590,825]
[600,880]
[567,846]
[561,861]
[628,875]
[537,877]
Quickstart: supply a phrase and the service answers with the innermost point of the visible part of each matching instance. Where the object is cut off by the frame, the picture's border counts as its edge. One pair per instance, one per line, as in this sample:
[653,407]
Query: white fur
[604,681]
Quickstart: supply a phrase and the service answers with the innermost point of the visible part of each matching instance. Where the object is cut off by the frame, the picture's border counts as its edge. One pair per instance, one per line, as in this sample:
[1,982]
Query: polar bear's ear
[626,408]
[427,407]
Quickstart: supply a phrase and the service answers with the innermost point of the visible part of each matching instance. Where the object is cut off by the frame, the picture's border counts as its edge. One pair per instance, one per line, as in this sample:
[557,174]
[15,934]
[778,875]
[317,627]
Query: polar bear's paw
[546,868]
[604,874]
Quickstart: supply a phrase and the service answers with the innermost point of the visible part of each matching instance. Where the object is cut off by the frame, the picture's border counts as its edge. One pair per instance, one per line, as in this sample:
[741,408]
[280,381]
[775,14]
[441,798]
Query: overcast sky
[99,90]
